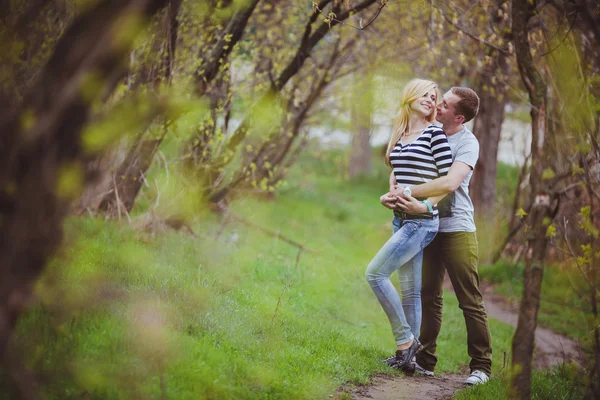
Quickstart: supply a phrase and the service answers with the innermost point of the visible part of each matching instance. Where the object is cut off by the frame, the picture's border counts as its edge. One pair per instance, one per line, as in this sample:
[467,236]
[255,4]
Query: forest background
[178,221]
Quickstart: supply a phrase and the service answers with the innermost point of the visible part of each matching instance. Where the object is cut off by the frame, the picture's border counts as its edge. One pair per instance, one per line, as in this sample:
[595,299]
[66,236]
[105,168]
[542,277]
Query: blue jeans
[402,252]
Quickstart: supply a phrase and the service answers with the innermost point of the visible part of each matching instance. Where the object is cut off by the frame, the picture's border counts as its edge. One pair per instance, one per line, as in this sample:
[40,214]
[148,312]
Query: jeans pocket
[412,226]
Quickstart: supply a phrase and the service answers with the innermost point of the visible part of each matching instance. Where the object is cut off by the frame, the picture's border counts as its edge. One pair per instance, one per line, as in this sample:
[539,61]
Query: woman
[418,152]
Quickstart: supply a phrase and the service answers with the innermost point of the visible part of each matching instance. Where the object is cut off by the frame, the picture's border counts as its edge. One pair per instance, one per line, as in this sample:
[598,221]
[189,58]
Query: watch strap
[428,204]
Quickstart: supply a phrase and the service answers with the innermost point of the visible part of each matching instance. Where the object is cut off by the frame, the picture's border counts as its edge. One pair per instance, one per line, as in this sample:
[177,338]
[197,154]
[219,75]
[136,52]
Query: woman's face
[425,105]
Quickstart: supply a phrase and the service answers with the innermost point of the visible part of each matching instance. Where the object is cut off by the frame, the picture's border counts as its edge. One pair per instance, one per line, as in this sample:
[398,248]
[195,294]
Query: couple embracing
[433,229]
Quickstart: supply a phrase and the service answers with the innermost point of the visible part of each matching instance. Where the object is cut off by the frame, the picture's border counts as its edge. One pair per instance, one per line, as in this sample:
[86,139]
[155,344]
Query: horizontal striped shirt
[423,160]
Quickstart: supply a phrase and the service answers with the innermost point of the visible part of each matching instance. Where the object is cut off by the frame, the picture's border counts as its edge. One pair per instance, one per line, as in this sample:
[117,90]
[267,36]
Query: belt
[403,215]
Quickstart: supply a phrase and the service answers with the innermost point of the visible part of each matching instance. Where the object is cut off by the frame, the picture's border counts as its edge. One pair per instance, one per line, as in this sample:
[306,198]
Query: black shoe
[404,357]
[409,369]
[391,361]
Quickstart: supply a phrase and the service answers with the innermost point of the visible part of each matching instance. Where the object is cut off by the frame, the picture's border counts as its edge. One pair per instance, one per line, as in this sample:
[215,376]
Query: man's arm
[440,186]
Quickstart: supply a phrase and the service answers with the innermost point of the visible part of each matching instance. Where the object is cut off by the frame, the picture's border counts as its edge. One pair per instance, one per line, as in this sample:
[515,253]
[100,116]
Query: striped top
[423,160]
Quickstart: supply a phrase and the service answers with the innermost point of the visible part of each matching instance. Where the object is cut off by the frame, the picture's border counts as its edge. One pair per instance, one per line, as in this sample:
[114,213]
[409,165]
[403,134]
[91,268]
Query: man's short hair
[468,105]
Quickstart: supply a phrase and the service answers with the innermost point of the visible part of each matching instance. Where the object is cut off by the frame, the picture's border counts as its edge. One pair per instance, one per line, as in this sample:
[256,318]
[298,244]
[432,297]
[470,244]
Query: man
[455,247]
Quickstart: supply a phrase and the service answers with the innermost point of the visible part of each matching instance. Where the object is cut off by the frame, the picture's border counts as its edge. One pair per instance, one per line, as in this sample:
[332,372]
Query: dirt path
[551,349]
[409,388]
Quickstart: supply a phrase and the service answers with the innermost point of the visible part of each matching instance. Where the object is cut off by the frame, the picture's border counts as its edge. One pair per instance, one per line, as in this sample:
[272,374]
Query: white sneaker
[422,371]
[476,378]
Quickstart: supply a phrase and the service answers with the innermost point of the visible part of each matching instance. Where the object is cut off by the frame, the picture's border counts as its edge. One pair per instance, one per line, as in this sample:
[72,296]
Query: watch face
[407,191]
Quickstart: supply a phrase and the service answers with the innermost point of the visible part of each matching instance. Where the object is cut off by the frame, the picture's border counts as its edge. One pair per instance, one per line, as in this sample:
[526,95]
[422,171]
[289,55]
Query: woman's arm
[392,181]
[410,205]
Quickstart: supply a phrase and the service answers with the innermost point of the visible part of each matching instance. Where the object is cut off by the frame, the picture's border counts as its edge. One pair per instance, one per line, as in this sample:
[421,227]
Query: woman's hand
[397,190]
[410,205]
[388,201]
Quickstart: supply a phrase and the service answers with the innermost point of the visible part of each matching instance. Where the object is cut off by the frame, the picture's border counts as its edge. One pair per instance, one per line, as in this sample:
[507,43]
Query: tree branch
[469,34]
[331,16]
[230,36]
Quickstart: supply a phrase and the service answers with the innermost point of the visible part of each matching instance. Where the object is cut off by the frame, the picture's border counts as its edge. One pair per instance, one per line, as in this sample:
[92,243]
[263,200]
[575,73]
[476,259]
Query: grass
[492,231]
[233,314]
[560,383]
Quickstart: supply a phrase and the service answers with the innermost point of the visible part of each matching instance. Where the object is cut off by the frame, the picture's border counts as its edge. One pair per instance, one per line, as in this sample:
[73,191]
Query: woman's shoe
[422,371]
[409,369]
[404,357]
[391,361]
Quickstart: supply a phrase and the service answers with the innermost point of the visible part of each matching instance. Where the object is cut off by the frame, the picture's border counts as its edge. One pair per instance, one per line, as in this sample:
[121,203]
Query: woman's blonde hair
[412,91]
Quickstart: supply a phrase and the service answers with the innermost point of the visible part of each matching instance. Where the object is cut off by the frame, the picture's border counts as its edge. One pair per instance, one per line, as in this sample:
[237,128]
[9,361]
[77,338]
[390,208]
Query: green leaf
[548,174]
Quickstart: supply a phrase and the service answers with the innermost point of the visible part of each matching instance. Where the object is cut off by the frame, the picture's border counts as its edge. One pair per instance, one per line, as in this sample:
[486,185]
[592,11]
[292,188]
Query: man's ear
[460,118]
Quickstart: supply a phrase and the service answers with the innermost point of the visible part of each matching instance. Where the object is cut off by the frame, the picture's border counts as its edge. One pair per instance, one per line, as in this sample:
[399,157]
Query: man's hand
[410,205]
[397,190]
[388,201]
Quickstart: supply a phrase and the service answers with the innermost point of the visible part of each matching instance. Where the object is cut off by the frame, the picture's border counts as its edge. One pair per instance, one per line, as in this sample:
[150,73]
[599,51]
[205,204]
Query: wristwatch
[407,192]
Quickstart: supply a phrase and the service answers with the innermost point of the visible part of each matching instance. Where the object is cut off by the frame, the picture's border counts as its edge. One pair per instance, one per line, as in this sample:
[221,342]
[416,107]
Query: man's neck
[450,130]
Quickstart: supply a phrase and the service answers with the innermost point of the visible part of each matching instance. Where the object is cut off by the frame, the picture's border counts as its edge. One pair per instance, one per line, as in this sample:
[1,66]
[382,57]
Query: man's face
[446,109]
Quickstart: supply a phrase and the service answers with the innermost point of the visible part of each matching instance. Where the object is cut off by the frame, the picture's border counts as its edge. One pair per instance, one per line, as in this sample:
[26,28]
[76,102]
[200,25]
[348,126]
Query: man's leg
[460,251]
[432,301]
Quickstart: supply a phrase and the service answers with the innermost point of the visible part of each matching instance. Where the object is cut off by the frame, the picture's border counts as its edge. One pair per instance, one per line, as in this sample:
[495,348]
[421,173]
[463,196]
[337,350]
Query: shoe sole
[428,374]
[423,374]
[474,383]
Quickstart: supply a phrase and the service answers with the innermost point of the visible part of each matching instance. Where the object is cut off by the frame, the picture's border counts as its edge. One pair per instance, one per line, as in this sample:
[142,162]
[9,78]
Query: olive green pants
[457,253]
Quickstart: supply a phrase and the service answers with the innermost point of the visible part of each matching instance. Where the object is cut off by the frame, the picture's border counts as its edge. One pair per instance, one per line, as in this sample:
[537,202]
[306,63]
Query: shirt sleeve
[467,151]
[441,151]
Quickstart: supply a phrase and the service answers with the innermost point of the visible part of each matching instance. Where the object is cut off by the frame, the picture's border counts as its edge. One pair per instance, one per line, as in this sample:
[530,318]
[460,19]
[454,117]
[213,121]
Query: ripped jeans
[403,252]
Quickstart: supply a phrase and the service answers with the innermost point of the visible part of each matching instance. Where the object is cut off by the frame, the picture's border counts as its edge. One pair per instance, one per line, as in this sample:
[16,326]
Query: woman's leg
[405,244]
[411,280]
[410,287]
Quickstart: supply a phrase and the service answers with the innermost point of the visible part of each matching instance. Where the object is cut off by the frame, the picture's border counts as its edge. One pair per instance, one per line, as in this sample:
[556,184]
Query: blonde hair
[411,92]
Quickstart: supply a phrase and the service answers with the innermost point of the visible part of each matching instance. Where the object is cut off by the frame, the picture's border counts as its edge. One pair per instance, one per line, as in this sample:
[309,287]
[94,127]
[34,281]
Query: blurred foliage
[233,313]
[218,310]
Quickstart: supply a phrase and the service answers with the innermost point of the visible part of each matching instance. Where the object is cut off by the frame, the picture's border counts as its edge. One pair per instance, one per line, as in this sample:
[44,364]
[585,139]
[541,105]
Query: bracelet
[426,202]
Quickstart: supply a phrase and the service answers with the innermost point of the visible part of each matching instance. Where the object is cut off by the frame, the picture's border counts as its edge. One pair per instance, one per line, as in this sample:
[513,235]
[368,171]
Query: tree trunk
[487,127]
[488,122]
[361,111]
[130,176]
[523,342]
[32,157]
[540,216]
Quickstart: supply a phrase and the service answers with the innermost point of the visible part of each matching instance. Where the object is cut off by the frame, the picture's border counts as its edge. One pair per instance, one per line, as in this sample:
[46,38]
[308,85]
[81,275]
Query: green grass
[232,314]
[492,231]
[562,308]
[561,383]
[507,178]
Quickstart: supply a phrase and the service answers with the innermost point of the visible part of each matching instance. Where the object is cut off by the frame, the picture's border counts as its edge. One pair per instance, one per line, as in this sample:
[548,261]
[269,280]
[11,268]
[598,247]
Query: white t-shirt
[456,209]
